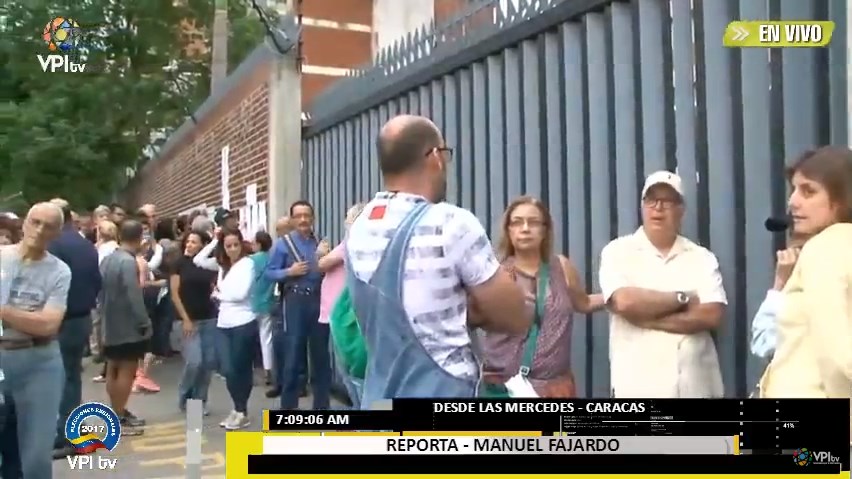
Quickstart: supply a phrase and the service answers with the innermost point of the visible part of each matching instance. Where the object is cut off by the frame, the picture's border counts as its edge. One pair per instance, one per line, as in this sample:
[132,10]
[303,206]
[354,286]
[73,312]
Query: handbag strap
[532,337]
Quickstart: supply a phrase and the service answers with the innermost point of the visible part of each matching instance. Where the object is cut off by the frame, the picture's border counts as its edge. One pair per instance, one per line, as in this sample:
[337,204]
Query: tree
[75,135]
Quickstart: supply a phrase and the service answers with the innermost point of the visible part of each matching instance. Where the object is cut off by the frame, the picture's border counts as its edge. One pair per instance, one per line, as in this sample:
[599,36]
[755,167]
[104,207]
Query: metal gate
[575,101]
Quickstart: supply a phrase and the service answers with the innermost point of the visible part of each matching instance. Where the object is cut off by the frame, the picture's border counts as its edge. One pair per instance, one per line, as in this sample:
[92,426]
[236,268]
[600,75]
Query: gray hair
[102,210]
[353,212]
[202,223]
[51,206]
[60,202]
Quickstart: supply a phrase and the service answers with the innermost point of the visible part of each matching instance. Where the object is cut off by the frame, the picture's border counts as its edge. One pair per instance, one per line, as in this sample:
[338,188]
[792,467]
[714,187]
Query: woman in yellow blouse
[814,354]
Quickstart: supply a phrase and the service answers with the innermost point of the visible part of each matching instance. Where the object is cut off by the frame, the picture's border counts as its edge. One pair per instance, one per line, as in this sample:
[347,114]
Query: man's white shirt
[651,363]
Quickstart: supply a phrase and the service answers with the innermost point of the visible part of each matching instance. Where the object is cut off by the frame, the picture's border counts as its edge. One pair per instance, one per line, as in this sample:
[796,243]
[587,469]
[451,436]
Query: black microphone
[777,224]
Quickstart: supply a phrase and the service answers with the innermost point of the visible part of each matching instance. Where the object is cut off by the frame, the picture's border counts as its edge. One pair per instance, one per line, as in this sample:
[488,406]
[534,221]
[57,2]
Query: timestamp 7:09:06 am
[311,419]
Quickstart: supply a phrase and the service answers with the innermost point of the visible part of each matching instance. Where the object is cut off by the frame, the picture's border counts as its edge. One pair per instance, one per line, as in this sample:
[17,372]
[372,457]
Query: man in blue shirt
[82,259]
[294,261]
[283,227]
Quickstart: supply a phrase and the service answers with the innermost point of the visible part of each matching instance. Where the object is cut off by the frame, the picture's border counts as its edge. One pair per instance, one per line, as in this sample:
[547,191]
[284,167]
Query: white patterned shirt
[449,251]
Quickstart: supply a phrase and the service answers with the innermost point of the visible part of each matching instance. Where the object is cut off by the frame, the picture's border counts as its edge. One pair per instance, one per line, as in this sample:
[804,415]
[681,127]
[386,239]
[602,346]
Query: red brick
[345,11]
[446,9]
[189,174]
[312,85]
[333,47]
[329,47]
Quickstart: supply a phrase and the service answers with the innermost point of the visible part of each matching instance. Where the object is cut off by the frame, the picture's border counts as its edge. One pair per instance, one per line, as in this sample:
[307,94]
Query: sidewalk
[159,453]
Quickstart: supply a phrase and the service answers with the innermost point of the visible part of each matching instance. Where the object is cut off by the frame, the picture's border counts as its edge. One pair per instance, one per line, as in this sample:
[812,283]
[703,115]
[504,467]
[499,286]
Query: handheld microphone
[777,224]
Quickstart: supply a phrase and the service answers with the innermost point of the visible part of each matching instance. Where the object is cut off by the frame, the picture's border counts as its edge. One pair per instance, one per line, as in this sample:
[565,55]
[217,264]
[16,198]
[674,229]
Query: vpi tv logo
[62,35]
[825,457]
[804,457]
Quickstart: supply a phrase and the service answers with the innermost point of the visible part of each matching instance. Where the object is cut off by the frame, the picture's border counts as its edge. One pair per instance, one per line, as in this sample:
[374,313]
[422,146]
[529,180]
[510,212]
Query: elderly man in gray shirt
[126,327]
[33,292]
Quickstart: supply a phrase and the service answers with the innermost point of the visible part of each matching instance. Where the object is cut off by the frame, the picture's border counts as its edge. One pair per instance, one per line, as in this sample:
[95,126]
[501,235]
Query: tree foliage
[76,135]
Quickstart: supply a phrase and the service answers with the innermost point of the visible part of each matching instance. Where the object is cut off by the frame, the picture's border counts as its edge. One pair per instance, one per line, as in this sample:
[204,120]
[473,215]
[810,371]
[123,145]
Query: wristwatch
[682,299]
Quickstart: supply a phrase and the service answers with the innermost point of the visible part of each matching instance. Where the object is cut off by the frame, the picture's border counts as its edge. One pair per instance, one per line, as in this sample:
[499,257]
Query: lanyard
[543,278]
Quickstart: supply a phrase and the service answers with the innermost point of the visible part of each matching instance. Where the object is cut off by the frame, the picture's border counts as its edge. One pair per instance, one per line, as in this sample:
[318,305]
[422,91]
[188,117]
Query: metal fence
[575,101]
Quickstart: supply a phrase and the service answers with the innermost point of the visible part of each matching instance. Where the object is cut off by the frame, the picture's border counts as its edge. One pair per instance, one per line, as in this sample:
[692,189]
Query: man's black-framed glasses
[442,149]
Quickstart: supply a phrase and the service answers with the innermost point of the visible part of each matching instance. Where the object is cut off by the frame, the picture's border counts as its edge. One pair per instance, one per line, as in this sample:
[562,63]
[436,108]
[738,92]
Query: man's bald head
[404,141]
[49,211]
[149,211]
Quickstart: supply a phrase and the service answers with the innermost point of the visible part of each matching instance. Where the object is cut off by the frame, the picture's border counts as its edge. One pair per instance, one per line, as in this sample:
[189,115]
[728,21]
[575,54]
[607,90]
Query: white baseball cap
[663,178]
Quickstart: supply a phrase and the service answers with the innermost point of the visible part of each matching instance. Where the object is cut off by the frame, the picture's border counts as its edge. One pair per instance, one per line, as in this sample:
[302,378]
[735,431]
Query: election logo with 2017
[92,426]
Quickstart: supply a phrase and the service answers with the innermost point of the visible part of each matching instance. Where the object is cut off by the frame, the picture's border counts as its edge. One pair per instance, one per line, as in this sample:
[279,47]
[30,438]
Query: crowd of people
[112,285]
[416,301]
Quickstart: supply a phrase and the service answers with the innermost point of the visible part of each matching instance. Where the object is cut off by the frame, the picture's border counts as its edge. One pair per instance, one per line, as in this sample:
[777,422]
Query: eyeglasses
[662,203]
[531,223]
[442,149]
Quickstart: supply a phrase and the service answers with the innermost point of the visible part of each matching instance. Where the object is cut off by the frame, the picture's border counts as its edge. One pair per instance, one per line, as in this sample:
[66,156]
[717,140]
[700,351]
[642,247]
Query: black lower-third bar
[531,464]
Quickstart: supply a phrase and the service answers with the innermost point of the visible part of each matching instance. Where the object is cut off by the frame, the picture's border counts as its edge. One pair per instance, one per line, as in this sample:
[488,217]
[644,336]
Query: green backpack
[349,345]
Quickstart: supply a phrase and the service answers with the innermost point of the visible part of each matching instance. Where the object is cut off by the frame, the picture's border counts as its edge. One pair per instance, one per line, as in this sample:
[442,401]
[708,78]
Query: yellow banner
[786,34]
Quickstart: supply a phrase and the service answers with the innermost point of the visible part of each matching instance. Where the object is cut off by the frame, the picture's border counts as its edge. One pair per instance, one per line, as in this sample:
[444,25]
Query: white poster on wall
[225,178]
[261,219]
[244,221]
[251,194]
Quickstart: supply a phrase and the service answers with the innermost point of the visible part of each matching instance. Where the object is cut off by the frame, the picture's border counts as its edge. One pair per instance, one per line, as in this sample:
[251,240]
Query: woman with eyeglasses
[813,358]
[554,292]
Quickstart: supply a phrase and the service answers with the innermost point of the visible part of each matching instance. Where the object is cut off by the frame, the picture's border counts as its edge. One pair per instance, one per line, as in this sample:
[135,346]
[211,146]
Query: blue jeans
[73,337]
[161,326]
[199,355]
[279,339]
[33,384]
[236,350]
[277,319]
[304,331]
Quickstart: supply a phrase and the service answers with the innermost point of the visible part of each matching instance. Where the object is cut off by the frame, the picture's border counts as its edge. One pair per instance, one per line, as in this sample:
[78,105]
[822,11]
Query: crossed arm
[660,310]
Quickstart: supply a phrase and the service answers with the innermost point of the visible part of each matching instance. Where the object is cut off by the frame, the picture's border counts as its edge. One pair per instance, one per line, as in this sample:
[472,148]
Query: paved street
[159,453]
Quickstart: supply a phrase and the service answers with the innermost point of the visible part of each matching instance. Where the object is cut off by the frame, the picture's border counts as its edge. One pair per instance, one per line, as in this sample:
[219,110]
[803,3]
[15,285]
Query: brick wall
[446,9]
[333,39]
[189,173]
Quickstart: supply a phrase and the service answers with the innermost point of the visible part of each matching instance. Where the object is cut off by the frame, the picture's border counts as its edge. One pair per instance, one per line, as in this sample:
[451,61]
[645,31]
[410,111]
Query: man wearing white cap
[665,295]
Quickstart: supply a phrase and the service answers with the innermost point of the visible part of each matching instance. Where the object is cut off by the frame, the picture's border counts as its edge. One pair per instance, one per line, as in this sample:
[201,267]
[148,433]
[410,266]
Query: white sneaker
[238,421]
[228,420]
